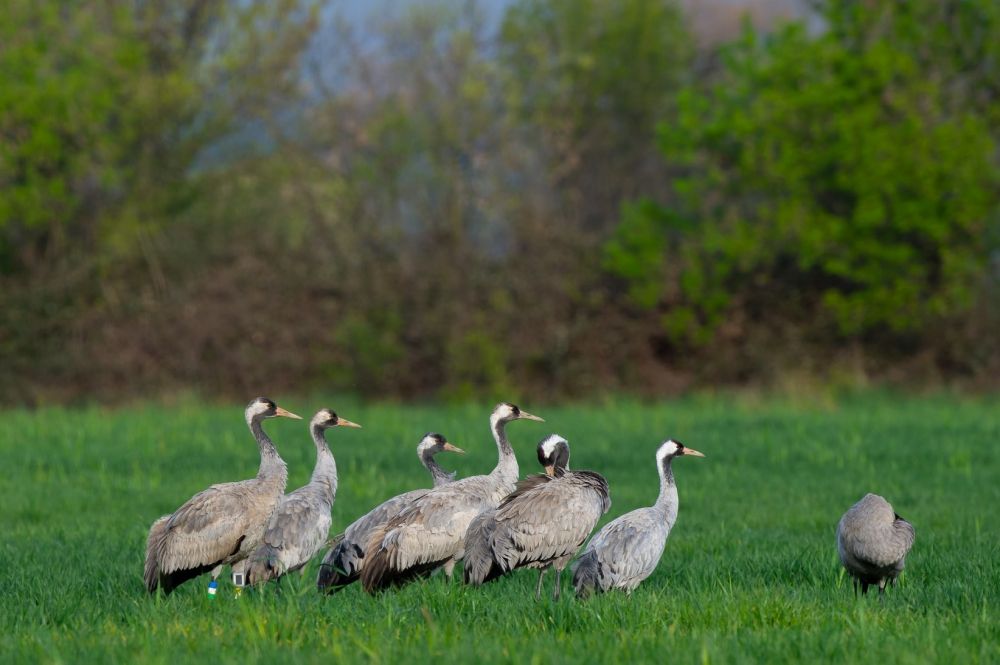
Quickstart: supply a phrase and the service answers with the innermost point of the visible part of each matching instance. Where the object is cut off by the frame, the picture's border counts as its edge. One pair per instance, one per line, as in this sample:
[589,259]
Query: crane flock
[494,524]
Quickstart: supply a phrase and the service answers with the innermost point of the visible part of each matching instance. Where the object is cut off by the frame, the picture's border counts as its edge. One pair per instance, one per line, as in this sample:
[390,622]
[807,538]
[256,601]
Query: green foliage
[65,118]
[106,107]
[749,574]
[638,251]
[108,113]
[830,168]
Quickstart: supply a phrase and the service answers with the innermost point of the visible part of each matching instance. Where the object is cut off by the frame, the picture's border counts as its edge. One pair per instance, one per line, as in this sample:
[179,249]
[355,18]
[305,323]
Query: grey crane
[430,533]
[301,523]
[541,524]
[342,564]
[873,542]
[627,549]
[223,524]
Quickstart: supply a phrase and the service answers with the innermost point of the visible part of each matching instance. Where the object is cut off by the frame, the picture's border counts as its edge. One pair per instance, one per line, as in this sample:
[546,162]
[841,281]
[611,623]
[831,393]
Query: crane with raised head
[627,549]
[301,523]
[223,524]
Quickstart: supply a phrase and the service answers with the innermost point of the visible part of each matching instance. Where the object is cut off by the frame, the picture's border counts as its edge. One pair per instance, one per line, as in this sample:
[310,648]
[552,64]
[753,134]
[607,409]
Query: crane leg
[538,587]
[864,588]
[854,583]
[449,568]
[555,591]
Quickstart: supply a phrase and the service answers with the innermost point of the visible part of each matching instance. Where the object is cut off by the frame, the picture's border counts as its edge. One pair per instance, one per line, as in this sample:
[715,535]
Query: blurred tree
[111,116]
[250,196]
[589,79]
[833,179]
[406,132]
[66,83]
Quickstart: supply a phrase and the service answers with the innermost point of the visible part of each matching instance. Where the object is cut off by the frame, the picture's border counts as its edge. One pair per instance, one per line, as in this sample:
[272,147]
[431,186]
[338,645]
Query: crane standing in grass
[541,524]
[223,524]
[430,533]
[301,523]
[627,549]
[342,564]
[873,542]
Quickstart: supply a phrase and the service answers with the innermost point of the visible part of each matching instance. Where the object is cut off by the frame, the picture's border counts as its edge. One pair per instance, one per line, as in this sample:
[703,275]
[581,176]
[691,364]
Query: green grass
[750,573]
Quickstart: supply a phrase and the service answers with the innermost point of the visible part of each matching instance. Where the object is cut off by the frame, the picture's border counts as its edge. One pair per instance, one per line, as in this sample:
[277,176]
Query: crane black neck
[666,502]
[500,434]
[437,472]
[667,471]
[264,443]
[324,473]
[319,438]
[507,462]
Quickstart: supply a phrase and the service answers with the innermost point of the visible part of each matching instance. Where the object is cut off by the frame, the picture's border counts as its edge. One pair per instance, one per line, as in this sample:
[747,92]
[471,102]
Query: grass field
[750,573]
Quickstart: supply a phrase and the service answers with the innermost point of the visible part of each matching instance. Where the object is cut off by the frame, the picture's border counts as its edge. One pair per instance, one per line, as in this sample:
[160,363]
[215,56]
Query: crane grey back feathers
[541,524]
[343,562]
[873,541]
[431,532]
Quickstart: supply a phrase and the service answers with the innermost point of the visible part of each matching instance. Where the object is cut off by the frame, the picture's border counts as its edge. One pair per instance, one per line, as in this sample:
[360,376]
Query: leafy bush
[834,174]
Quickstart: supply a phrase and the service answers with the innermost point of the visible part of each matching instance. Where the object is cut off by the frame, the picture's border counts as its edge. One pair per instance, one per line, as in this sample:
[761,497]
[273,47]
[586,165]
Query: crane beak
[452,449]
[692,452]
[286,414]
[528,416]
[550,470]
[341,422]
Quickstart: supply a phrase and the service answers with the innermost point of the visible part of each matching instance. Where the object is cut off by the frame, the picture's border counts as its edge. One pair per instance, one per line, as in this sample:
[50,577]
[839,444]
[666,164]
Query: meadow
[750,573]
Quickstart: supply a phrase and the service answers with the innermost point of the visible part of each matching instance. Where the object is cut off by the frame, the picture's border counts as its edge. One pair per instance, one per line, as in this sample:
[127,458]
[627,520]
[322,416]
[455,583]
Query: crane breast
[871,535]
[630,547]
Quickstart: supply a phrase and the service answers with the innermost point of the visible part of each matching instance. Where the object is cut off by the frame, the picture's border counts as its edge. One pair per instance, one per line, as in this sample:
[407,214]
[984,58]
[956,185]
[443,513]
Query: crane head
[505,412]
[433,443]
[326,418]
[553,454]
[263,407]
[671,448]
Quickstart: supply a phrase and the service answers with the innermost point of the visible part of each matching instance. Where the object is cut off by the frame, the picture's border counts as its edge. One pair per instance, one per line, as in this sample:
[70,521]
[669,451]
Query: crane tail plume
[377,574]
[340,566]
[379,571]
[480,565]
[151,572]
[170,581]
[377,562]
[585,575]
